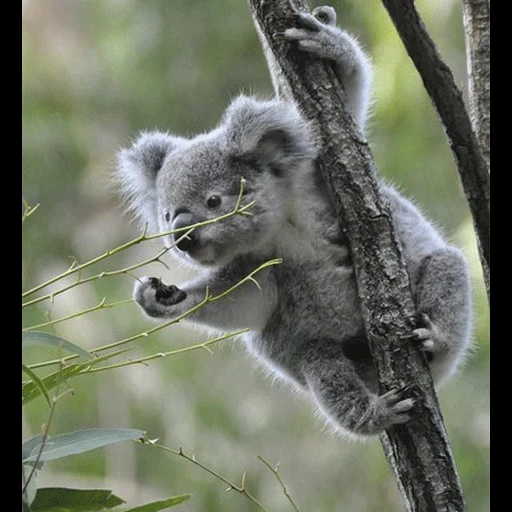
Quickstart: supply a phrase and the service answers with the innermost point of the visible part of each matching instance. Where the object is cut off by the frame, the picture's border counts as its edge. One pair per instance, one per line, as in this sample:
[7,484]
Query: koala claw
[393,407]
[424,337]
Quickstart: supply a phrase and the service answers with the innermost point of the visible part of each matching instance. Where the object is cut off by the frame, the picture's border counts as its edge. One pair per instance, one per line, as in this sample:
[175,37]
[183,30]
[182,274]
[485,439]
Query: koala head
[172,182]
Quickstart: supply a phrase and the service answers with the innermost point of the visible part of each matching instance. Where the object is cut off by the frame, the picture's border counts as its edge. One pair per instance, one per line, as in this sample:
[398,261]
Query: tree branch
[472,161]
[418,451]
[477,15]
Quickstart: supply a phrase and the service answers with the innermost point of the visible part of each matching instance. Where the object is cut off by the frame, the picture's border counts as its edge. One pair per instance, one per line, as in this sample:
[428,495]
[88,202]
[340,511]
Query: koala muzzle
[184,243]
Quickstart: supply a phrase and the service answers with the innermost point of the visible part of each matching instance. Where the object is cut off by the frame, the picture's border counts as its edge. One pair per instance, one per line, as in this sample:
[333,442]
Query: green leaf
[30,390]
[82,441]
[155,506]
[26,450]
[29,445]
[37,382]
[31,338]
[61,499]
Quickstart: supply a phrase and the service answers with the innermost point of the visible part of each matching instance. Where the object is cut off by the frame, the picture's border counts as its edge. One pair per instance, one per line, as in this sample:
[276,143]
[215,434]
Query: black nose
[184,243]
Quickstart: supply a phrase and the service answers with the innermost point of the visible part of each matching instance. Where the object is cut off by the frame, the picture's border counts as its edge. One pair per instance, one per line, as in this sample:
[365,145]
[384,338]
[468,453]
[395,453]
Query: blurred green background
[94,74]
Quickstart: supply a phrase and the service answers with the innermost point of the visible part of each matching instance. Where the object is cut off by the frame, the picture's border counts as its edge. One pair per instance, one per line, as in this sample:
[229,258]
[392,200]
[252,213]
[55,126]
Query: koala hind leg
[443,304]
[345,399]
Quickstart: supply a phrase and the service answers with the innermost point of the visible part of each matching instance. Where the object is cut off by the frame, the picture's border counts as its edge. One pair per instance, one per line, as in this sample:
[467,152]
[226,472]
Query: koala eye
[167,216]
[213,201]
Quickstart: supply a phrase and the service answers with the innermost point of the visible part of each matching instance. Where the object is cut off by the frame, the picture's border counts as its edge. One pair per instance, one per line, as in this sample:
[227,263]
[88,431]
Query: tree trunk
[418,451]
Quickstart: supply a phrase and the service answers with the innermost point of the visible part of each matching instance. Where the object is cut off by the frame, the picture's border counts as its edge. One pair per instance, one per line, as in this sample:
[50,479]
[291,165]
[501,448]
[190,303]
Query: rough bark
[477,27]
[419,452]
[447,98]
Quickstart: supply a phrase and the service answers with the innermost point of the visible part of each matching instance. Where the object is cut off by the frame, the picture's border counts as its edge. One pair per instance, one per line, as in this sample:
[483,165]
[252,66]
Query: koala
[304,315]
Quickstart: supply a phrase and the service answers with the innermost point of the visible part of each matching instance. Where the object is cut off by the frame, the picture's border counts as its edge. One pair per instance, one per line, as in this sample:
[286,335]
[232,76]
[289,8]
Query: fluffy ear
[272,132]
[137,169]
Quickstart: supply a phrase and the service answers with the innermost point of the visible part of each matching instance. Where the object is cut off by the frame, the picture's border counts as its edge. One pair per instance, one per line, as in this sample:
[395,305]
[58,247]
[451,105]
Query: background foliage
[96,72]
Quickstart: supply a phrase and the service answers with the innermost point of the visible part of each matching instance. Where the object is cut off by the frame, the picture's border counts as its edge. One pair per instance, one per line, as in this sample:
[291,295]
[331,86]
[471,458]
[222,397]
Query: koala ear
[137,169]
[272,132]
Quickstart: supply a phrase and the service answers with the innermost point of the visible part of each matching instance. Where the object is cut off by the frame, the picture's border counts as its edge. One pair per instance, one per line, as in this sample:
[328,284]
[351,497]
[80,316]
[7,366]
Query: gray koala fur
[304,316]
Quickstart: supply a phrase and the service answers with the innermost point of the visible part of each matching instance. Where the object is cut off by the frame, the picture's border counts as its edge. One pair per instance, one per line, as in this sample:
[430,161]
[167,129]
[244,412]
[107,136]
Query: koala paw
[311,34]
[426,337]
[393,408]
[154,296]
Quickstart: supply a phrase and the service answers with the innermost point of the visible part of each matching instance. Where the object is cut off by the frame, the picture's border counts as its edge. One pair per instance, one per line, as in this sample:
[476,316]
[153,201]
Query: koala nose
[183,220]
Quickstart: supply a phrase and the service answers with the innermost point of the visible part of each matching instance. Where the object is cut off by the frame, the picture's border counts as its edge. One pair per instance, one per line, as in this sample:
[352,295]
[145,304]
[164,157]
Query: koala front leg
[344,398]
[443,303]
[245,307]
[318,34]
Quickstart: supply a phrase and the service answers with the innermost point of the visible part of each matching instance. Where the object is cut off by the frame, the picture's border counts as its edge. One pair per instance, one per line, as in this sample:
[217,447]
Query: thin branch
[208,298]
[46,428]
[142,360]
[99,306]
[275,471]
[143,237]
[80,281]
[28,210]
[241,489]
[447,98]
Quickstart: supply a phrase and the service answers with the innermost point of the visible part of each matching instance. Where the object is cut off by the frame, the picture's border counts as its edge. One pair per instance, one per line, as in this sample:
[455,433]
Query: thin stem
[208,298]
[45,437]
[101,305]
[143,360]
[110,273]
[242,489]
[275,470]
[142,238]
[28,211]
[249,277]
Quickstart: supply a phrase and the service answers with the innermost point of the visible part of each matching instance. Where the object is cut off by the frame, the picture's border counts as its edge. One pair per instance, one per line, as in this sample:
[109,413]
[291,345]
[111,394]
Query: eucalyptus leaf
[30,390]
[156,506]
[31,338]
[61,499]
[26,450]
[29,445]
[37,382]
[81,441]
